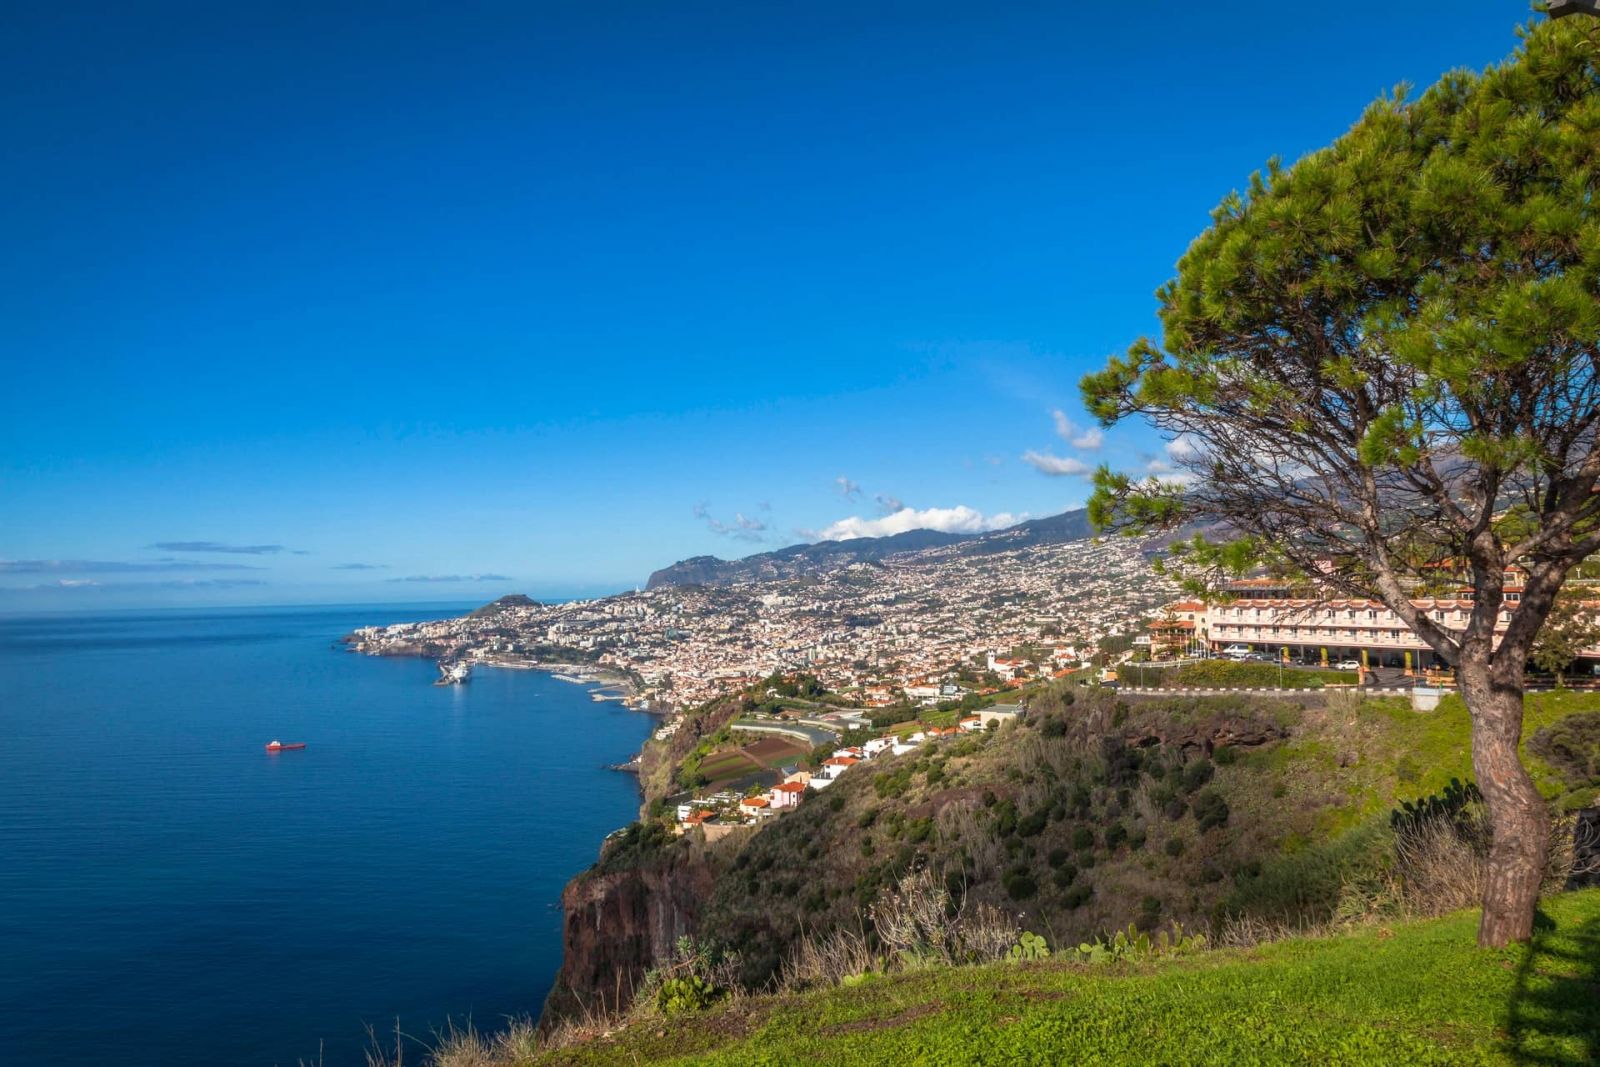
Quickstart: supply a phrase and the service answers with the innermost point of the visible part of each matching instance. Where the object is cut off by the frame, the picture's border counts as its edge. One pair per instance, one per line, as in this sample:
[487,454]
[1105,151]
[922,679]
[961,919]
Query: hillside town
[905,628]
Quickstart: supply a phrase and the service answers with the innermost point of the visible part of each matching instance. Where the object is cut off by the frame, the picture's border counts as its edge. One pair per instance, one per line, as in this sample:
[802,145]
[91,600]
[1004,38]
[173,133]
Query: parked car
[1348,665]
[1236,651]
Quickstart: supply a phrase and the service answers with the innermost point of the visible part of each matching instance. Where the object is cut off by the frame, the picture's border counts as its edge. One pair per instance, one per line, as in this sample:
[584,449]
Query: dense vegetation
[1099,811]
[1222,673]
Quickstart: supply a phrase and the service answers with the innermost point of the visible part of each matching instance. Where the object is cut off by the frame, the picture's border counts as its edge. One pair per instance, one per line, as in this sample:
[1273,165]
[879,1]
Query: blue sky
[305,305]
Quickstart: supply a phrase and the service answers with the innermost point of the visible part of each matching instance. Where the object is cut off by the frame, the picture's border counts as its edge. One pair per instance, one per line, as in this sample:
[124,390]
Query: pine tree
[1380,372]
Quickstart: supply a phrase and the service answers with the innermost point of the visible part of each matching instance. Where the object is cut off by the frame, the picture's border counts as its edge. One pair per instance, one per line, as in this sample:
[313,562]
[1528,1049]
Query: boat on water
[284,746]
[453,673]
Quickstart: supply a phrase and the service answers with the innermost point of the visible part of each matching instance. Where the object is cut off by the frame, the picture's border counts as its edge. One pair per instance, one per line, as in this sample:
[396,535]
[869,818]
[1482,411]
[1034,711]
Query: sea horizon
[212,902]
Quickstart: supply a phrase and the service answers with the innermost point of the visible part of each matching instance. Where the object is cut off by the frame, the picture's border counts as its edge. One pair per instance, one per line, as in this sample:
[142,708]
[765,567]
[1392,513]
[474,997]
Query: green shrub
[892,783]
[1226,756]
[1082,837]
[1029,946]
[1197,773]
[1058,857]
[1174,847]
[1019,885]
[1076,897]
[1033,824]
[684,996]
[1005,818]
[1447,804]
[1116,834]
[1572,747]
[1210,810]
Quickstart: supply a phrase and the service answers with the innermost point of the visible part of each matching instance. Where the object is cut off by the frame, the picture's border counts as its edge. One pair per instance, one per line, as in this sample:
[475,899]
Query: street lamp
[1560,9]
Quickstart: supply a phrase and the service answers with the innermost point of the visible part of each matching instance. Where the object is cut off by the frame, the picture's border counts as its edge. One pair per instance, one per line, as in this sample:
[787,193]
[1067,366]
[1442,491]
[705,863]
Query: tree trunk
[1519,823]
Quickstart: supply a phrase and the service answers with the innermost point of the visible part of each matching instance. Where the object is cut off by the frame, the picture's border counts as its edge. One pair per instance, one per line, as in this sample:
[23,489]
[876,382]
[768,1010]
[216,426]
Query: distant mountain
[515,600]
[798,560]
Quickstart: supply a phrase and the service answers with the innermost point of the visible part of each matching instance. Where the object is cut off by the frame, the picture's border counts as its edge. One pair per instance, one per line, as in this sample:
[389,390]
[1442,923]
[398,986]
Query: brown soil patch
[775,748]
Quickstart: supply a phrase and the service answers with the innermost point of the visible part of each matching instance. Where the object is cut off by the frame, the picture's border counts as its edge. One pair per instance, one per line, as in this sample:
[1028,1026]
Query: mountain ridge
[807,557]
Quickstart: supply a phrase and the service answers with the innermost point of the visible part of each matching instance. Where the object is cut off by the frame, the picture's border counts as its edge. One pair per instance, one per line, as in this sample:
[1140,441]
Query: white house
[785,796]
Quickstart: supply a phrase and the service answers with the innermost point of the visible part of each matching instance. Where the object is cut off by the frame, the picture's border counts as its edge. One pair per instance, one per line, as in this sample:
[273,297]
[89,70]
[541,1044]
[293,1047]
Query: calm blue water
[172,894]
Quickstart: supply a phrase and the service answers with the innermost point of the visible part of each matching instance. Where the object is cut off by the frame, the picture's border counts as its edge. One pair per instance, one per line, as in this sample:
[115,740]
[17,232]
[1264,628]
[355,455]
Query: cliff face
[620,925]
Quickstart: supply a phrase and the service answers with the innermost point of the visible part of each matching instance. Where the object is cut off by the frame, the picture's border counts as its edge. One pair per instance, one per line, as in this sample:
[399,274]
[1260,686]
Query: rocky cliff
[620,924]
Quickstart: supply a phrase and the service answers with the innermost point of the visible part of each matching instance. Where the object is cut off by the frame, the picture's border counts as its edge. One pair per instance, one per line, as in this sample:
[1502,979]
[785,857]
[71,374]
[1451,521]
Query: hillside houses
[899,630]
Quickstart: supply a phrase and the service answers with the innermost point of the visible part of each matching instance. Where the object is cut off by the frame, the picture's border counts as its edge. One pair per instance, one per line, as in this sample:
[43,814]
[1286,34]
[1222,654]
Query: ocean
[171,893]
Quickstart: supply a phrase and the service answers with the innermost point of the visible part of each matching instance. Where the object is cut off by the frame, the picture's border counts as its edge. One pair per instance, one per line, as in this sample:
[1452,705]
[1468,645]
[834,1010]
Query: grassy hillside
[1414,993]
[1247,816]
[1098,811]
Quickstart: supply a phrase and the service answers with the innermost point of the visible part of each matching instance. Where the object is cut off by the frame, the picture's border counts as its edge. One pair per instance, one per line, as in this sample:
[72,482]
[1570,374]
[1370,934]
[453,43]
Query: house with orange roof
[786,795]
[756,807]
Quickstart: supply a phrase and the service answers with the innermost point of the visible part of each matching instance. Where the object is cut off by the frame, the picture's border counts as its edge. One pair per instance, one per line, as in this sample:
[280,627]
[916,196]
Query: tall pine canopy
[1380,369]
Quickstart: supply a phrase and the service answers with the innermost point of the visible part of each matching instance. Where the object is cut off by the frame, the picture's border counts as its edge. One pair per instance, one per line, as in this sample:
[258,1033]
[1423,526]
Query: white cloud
[846,488]
[742,528]
[452,578]
[1182,447]
[1056,466]
[1088,440]
[1168,472]
[887,504]
[959,519]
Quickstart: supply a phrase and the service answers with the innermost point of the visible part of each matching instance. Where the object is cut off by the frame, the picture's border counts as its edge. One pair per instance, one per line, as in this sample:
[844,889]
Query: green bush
[1076,897]
[1029,946]
[1082,837]
[1210,810]
[1019,885]
[1571,746]
[1005,818]
[1197,773]
[683,996]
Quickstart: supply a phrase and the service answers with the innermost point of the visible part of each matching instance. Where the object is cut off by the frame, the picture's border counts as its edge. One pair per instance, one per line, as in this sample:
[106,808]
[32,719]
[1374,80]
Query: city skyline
[331,308]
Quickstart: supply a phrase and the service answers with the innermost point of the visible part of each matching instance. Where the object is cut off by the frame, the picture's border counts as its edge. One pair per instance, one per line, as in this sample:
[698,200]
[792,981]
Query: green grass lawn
[1417,993]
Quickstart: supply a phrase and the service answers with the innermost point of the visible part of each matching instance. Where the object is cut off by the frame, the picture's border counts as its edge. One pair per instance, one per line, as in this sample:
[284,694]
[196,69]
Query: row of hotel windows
[1223,632]
[1439,614]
